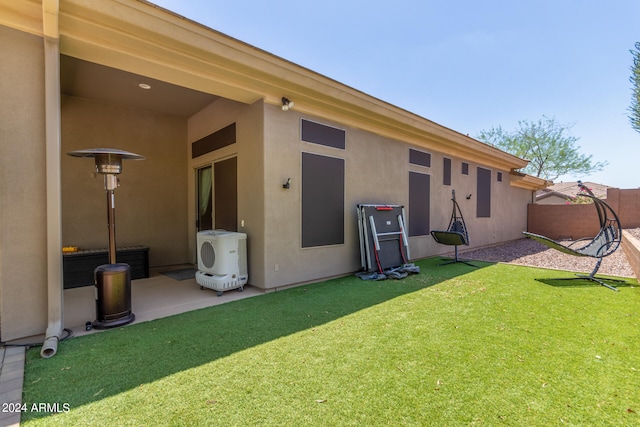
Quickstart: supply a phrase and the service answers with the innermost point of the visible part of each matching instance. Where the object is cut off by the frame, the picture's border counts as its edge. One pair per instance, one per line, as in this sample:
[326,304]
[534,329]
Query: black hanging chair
[456,234]
[603,244]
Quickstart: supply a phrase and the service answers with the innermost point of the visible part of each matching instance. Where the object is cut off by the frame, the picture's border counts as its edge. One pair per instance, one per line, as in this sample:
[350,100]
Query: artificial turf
[453,345]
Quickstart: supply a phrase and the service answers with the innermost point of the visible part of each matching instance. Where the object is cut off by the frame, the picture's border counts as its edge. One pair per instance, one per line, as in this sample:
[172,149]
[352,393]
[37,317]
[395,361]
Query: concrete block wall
[577,221]
[626,203]
[563,221]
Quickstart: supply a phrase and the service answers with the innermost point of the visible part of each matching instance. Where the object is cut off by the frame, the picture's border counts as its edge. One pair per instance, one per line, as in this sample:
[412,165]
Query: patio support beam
[51,38]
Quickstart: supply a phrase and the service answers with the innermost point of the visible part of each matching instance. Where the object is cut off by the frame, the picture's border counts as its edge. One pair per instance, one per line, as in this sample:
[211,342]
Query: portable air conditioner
[222,260]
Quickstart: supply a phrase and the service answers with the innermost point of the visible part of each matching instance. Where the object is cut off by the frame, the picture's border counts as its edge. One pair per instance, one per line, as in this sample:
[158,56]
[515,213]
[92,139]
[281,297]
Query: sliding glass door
[218,196]
[204,219]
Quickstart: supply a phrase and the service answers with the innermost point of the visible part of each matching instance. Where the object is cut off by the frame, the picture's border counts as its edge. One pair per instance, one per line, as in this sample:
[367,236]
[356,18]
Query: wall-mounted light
[287,184]
[468,196]
[286,104]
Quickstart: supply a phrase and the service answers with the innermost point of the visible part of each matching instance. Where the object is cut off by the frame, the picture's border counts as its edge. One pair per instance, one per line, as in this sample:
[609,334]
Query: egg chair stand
[456,233]
[603,244]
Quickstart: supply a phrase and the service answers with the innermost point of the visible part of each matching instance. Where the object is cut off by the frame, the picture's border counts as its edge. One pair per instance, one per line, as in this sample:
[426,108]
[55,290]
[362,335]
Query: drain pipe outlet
[50,345]
[50,10]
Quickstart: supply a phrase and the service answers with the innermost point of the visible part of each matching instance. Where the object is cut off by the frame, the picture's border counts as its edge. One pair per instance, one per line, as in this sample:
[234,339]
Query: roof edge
[528,182]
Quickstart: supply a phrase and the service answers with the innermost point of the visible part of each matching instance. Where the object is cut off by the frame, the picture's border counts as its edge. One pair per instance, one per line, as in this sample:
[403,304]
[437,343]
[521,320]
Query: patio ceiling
[87,80]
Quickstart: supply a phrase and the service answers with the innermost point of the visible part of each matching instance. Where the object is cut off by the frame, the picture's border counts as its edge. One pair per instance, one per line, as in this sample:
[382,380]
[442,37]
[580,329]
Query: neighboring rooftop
[564,192]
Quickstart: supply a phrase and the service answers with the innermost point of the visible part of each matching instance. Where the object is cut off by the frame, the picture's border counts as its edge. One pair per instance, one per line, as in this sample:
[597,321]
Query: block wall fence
[577,221]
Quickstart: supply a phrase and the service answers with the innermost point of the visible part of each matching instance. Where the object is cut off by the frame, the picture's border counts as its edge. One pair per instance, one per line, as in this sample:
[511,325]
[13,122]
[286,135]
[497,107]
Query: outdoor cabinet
[79,266]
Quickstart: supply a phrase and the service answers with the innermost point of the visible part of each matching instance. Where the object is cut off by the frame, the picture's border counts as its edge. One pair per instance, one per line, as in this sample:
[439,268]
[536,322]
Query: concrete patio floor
[153,298]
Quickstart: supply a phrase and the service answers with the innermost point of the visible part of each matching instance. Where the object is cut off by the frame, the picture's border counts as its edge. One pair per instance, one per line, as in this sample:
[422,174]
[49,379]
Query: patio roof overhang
[528,182]
[139,37]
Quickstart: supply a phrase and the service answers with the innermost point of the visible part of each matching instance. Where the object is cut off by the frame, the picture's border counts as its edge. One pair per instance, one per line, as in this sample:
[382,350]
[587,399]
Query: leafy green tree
[547,144]
[635,97]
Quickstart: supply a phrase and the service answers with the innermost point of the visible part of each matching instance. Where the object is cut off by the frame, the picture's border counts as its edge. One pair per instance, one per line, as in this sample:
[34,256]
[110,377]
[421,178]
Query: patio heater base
[113,323]
[113,296]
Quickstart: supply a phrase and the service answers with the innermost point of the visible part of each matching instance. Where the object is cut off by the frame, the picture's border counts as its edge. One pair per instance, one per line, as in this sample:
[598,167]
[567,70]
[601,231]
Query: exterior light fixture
[144,86]
[286,104]
[113,280]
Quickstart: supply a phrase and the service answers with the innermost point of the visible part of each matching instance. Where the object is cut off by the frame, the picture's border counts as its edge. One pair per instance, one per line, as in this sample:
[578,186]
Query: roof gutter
[50,14]
[528,182]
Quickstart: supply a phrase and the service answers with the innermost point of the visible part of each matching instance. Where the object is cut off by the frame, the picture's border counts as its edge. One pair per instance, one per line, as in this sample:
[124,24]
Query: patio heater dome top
[108,160]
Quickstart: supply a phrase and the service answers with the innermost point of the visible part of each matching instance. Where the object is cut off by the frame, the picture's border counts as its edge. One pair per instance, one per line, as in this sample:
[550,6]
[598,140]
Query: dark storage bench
[79,266]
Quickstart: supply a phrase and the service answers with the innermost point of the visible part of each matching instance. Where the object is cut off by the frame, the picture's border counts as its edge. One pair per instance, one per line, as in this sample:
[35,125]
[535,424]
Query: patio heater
[112,280]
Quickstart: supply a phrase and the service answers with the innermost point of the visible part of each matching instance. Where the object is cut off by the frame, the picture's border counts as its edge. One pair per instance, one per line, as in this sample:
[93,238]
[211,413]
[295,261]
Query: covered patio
[155,297]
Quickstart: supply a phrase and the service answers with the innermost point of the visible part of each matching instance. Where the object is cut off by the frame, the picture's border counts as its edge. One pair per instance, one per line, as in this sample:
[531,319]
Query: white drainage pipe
[50,13]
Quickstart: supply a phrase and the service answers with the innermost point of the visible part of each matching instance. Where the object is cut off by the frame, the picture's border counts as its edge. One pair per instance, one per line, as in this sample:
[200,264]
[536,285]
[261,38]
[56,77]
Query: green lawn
[453,345]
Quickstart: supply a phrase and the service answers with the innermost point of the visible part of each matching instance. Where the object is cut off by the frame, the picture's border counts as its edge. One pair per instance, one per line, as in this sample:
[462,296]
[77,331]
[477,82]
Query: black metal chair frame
[603,244]
[456,233]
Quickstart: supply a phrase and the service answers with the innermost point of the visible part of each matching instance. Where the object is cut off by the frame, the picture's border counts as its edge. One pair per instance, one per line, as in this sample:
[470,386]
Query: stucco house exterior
[209,116]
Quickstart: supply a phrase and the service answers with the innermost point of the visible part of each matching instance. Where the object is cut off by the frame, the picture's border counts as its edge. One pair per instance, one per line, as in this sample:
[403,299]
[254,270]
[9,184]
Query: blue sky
[467,65]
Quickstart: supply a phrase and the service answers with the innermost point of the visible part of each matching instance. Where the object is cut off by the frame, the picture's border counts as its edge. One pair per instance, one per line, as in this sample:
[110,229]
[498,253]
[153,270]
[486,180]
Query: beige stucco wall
[249,151]
[377,171]
[508,214]
[23,235]
[151,203]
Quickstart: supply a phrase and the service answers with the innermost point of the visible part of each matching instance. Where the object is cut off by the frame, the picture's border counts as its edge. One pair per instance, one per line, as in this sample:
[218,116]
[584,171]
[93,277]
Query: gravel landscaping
[635,232]
[531,253]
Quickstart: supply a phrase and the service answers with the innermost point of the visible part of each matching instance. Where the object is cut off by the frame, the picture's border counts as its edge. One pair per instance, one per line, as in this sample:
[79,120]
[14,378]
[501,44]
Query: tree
[548,146]
[635,97]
